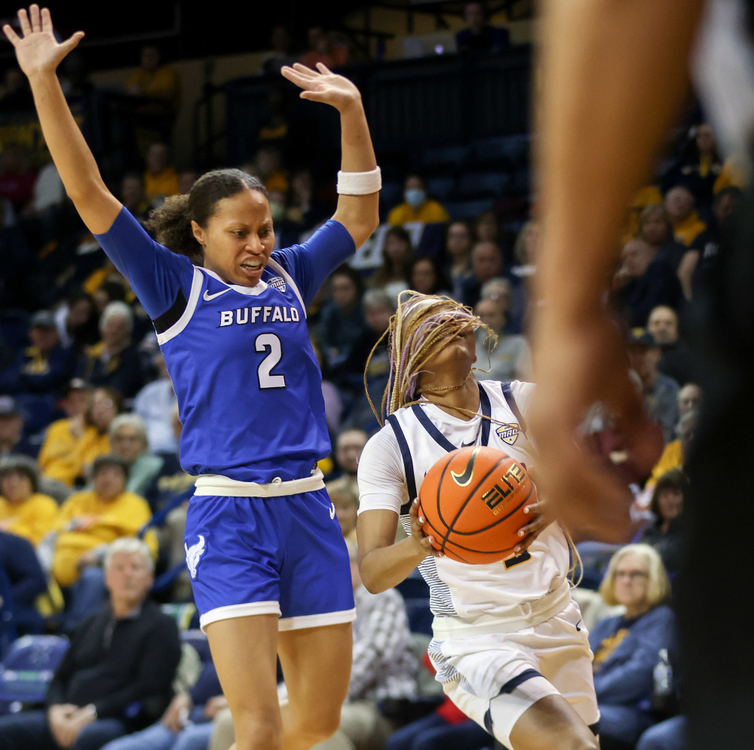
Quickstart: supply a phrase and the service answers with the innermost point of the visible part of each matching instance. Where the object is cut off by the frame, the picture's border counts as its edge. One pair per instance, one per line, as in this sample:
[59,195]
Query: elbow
[370,579]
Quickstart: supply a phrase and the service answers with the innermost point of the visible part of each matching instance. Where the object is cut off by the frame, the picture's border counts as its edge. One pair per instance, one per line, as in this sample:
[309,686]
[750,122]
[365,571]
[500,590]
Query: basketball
[473,504]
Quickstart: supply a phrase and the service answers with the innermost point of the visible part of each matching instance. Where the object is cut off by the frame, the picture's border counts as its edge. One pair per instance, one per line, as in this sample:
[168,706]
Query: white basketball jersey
[423,434]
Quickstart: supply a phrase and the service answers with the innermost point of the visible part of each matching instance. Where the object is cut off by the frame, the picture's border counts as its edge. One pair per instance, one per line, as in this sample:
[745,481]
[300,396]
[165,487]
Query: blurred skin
[77,402]
[344,292]
[348,448]
[78,314]
[103,410]
[128,443]
[109,483]
[396,252]
[487,228]
[670,504]
[11,427]
[150,59]
[631,583]
[44,338]
[491,313]
[689,398]
[15,486]
[644,360]
[687,435]
[532,238]
[679,203]
[423,277]
[663,325]
[116,333]
[458,244]
[500,291]
[186,181]
[473,14]
[378,317]
[158,157]
[132,192]
[486,261]
[654,229]
[128,578]
[705,139]
[414,182]
[636,257]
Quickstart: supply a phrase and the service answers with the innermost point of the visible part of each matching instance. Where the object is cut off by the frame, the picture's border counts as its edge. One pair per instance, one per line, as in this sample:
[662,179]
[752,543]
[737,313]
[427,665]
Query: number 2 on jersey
[265,377]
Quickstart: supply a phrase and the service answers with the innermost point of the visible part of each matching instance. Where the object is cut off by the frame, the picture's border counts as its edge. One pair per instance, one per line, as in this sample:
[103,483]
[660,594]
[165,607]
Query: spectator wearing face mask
[417,206]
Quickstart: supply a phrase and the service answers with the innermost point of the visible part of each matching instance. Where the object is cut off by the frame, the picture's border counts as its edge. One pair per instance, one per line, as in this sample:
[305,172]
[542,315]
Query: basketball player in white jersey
[509,645]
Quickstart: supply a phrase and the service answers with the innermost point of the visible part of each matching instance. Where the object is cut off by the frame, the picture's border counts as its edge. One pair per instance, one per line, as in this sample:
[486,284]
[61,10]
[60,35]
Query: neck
[637,610]
[458,402]
[123,607]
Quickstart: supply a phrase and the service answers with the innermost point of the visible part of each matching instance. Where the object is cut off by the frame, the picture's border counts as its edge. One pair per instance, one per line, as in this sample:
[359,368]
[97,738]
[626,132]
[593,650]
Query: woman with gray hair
[114,361]
[627,647]
[128,438]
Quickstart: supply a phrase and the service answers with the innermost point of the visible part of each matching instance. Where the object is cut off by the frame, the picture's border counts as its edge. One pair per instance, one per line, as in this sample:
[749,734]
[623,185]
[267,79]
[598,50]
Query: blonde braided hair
[420,327]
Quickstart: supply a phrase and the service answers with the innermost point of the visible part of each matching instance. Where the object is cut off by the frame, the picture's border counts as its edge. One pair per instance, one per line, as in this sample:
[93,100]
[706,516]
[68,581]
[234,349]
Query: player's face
[457,354]
[238,238]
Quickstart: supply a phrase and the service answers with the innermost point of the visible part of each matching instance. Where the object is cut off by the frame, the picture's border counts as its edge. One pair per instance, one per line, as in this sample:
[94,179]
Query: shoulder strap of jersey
[508,394]
[408,463]
[440,439]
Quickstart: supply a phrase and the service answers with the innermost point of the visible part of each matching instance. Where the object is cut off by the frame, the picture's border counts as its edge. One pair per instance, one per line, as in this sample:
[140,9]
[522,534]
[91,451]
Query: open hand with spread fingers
[322,85]
[37,50]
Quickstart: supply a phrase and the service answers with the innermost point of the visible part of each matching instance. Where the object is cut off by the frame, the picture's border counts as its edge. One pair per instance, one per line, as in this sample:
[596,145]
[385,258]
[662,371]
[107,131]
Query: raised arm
[359,214]
[39,54]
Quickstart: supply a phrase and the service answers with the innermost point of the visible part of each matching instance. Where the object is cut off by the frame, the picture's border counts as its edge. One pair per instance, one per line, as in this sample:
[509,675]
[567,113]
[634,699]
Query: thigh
[98,734]
[244,653]
[551,724]
[26,730]
[317,668]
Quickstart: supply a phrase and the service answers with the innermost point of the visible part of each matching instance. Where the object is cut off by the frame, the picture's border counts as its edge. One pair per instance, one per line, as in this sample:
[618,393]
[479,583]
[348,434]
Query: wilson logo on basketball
[500,492]
[465,477]
[508,433]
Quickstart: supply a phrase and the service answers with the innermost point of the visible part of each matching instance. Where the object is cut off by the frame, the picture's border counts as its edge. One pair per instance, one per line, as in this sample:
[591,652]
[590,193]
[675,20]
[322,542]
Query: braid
[421,325]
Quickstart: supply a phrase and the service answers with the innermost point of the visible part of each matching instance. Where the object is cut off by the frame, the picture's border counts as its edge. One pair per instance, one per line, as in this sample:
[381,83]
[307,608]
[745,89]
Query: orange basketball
[473,504]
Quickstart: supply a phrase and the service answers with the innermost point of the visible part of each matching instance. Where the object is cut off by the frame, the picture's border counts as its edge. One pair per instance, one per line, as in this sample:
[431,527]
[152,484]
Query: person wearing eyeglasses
[626,648]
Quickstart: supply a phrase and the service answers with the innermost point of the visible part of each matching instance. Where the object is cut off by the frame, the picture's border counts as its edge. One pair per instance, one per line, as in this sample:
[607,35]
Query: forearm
[71,154]
[358,213]
[385,567]
[614,74]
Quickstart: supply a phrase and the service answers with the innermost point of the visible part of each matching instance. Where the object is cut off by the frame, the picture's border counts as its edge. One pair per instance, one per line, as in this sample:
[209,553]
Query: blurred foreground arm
[613,76]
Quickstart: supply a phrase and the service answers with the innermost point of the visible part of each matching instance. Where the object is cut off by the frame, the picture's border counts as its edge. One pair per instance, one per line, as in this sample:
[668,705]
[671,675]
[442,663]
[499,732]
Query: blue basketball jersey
[246,377]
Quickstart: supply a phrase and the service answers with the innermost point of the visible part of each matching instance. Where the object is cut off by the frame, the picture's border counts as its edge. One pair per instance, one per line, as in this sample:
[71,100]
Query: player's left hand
[541,518]
[322,85]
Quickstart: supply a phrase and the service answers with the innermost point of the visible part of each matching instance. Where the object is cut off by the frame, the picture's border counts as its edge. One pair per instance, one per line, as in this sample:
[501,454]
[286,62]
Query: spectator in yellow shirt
[24,511]
[417,206]
[687,225]
[161,178]
[155,81]
[90,520]
[72,444]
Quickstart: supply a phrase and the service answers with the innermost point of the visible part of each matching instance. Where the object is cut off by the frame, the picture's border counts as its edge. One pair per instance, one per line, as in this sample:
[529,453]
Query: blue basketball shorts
[277,555]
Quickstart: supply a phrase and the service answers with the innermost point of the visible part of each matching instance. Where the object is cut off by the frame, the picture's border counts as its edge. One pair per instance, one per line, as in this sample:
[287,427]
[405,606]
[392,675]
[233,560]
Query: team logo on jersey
[508,433]
[464,477]
[277,283]
[194,554]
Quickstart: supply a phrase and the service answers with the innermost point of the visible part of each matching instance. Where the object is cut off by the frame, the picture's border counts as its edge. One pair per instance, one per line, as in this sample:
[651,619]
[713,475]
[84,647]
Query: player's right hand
[417,532]
[37,50]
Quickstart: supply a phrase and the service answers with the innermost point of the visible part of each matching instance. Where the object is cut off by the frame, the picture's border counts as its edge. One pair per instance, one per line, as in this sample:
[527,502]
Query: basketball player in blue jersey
[268,563]
[509,646]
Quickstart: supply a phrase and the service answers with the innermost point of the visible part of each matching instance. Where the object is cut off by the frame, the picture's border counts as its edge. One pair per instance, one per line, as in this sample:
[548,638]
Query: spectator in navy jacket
[478,36]
[22,581]
[626,648]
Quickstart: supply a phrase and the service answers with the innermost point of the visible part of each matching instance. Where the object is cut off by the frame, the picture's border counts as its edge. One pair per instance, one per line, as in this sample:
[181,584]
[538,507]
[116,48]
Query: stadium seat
[29,666]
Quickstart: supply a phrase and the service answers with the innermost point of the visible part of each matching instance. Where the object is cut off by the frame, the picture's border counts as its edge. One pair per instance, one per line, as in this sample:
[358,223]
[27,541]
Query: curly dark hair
[170,224]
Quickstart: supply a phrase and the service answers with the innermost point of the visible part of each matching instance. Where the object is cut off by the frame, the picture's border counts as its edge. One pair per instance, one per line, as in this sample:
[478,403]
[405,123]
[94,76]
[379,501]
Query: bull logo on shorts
[194,554]
[508,433]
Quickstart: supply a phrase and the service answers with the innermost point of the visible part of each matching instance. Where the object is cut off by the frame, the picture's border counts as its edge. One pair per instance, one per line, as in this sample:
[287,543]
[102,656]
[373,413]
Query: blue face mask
[415,197]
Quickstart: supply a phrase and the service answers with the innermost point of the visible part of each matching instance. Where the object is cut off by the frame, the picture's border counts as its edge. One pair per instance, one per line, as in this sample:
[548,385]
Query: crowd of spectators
[89,430]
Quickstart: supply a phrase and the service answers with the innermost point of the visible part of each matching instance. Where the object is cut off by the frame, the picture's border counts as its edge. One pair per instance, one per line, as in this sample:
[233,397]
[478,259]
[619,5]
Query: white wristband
[360,183]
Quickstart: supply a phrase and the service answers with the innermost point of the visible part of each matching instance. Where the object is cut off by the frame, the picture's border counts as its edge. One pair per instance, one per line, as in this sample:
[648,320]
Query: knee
[257,731]
[317,730]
